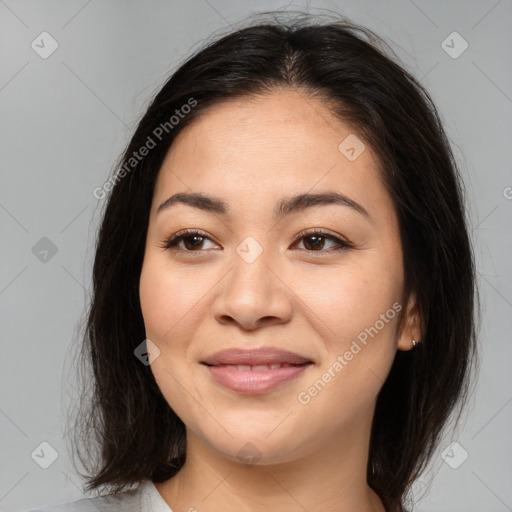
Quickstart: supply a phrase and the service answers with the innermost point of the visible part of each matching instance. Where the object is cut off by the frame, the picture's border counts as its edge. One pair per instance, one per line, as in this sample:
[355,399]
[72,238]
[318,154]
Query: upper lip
[264,355]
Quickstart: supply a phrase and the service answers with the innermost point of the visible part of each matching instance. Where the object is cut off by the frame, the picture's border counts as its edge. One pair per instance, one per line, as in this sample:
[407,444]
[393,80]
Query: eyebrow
[284,206]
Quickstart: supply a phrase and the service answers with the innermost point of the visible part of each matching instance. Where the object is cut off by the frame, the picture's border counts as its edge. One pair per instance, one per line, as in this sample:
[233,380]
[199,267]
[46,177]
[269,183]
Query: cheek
[167,297]
[351,297]
[356,309]
[167,302]
[360,307]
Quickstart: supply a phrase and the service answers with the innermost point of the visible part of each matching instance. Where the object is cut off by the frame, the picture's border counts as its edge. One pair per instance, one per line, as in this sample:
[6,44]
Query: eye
[194,240]
[314,241]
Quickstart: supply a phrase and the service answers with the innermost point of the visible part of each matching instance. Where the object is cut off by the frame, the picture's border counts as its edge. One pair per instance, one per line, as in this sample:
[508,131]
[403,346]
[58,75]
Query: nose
[253,295]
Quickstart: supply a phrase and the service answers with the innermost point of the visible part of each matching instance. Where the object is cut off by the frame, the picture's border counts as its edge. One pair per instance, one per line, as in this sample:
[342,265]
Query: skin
[315,302]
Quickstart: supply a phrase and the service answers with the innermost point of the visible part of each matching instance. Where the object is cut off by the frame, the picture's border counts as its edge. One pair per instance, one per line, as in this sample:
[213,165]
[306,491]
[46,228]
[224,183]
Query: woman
[284,287]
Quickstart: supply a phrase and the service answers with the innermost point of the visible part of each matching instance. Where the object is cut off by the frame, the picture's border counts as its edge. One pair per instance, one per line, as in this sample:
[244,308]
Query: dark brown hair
[127,427]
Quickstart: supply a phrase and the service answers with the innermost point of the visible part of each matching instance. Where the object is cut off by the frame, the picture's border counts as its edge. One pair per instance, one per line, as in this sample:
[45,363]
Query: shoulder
[128,501]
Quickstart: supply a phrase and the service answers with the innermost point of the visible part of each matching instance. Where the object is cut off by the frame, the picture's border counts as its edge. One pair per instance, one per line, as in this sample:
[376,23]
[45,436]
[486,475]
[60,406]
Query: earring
[414,342]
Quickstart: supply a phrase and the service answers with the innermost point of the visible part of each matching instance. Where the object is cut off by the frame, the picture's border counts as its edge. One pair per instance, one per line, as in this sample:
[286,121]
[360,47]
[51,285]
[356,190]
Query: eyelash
[172,242]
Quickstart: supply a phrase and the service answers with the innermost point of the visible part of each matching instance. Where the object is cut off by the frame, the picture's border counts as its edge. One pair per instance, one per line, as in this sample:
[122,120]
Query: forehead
[266,146]
[284,126]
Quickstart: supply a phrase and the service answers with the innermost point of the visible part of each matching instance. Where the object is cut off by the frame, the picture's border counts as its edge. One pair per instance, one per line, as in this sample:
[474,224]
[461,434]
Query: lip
[223,367]
[264,355]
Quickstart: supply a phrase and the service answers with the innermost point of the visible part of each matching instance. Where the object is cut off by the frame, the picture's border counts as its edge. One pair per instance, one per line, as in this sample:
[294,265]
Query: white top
[144,498]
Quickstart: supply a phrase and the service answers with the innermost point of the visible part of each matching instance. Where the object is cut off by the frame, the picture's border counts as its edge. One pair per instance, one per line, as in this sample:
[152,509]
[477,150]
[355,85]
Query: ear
[411,326]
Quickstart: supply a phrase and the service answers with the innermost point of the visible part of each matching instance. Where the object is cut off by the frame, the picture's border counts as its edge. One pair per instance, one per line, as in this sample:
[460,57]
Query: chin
[256,438]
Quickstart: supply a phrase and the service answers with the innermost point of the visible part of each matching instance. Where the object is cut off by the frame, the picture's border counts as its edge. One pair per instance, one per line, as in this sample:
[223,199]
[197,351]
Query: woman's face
[249,285]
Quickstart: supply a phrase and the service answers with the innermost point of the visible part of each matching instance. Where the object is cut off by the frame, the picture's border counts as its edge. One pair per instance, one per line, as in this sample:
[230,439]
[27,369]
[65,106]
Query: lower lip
[255,381]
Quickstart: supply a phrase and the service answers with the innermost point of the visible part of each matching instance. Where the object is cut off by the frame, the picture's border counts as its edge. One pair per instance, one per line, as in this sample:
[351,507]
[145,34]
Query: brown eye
[192,241]
[315,241]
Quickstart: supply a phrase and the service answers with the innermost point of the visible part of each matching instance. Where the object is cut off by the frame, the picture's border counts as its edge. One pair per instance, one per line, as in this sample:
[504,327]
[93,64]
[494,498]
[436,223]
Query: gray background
[65,120]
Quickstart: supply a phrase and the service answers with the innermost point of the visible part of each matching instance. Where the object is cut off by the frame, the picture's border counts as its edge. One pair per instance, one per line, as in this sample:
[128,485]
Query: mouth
[255,357]
[256,367]
[255,371]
